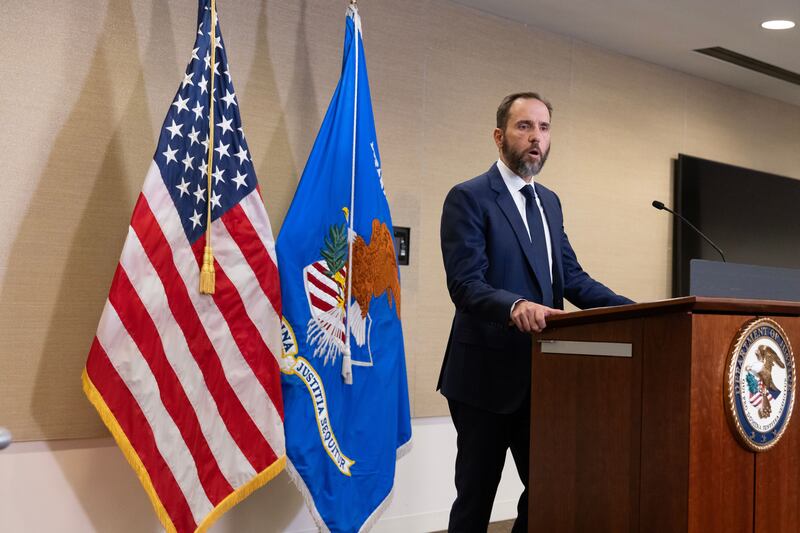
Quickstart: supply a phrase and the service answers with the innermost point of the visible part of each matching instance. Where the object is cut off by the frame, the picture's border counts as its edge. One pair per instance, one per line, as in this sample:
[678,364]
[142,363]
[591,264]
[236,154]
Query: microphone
[5,438]
[660,206]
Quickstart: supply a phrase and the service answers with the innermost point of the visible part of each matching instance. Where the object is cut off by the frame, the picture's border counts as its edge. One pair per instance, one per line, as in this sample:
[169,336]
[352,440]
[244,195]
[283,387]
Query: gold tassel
[207,274]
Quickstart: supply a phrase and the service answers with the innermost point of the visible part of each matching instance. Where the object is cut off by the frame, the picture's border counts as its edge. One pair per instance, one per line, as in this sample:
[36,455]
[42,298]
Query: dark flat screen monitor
[754,217]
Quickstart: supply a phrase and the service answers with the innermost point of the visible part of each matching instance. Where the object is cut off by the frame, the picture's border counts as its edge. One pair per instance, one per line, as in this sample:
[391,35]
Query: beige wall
[87,85]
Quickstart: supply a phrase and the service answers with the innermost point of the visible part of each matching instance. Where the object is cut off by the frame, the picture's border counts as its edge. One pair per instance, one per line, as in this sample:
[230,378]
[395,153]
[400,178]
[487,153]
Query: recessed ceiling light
[777,24]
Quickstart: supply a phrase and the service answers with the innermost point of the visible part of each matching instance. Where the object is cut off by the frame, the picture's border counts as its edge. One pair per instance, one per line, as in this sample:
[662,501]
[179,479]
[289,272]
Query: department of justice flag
[189,384]
[344,382]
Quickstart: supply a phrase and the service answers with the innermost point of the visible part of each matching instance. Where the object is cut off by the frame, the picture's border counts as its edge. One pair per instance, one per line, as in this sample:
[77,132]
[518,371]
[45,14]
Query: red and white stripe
[323,294]
[756,398]
[193,380]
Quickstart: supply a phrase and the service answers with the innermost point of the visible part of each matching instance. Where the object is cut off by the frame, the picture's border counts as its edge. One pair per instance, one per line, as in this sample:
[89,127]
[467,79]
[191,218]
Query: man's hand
[530,317]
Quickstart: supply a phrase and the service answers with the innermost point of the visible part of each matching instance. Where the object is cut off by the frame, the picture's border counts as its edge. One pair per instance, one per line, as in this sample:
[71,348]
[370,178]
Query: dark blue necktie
[541,263]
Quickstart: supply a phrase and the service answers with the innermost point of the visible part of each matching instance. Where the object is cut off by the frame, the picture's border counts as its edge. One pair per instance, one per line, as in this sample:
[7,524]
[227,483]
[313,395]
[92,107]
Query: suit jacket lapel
[511,212]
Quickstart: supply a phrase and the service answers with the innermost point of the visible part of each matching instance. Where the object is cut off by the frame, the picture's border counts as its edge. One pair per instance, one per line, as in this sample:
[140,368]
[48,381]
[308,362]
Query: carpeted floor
[496,527]
[500,527]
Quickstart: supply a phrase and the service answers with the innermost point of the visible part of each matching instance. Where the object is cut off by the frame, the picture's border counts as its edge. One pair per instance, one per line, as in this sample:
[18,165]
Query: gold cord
[207,276]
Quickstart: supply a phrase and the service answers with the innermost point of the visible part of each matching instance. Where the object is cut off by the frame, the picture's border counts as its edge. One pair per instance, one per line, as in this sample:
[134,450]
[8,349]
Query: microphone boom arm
[659,205]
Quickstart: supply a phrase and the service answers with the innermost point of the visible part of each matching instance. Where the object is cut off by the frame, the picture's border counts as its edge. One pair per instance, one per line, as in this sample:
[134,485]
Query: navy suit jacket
[489,263]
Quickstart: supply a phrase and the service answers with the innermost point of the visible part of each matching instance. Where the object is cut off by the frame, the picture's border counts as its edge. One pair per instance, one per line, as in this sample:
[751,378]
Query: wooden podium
[641,442]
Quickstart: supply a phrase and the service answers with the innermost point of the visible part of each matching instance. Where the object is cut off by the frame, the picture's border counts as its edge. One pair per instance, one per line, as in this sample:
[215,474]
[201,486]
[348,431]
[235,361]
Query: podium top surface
[687,304]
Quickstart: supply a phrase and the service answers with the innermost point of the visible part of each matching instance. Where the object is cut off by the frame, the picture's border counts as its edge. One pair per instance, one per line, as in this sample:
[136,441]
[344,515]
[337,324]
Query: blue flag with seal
[344,382]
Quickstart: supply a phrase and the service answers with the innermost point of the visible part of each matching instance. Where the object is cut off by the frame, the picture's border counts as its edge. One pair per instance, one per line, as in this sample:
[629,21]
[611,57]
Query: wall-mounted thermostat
[402,244]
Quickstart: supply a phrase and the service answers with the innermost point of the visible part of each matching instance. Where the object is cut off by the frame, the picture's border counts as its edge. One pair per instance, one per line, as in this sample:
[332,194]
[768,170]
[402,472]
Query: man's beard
[516,161]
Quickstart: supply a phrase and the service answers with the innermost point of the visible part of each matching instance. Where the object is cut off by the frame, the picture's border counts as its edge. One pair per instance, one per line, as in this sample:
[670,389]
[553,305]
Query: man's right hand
[530,317]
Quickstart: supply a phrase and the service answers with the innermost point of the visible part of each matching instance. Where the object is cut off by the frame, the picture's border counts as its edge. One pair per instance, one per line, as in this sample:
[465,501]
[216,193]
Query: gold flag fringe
[127,450]
[133,459]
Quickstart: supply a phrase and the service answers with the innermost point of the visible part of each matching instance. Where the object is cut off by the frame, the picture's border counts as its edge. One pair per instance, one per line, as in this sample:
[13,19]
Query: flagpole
[347,360]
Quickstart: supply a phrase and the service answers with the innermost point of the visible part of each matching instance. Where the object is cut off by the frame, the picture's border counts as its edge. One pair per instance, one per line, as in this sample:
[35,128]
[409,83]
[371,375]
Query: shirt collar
[513,181]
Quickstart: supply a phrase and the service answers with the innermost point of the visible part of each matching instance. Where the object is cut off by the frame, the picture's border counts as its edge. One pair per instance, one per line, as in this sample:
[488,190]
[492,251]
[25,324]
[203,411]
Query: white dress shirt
[514,184]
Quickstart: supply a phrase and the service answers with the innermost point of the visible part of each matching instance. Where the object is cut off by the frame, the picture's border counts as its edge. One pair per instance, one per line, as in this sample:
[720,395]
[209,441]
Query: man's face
[525,142]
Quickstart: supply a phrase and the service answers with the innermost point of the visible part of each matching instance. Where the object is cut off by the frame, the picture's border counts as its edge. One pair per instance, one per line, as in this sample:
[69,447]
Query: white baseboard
[437,520]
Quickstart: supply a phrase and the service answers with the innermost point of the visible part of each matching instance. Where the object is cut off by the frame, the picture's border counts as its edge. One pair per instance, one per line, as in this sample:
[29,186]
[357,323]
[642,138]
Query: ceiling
[666,32]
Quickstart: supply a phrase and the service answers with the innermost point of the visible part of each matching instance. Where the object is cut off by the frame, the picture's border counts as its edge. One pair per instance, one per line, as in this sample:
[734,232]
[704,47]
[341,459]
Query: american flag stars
[229,98]
[242,155]
[217,175]
[184,141]
[198,111]
[187,162]
[225,125]
[180,104]
[169,153]
[174,130]
[240,180]
[183,187]
[222,150]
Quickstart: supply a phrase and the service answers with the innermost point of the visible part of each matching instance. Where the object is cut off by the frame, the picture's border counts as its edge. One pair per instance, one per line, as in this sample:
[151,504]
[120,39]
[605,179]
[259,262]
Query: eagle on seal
[767,357]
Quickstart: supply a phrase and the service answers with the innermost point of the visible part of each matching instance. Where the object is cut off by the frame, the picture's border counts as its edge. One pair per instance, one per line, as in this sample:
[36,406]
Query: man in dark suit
[509,266]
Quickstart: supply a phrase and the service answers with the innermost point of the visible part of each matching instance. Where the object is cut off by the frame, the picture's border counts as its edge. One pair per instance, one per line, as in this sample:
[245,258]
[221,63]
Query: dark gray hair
[505,105]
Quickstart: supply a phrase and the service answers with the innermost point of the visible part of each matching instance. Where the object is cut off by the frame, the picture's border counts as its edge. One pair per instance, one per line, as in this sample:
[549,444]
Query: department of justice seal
[759,384]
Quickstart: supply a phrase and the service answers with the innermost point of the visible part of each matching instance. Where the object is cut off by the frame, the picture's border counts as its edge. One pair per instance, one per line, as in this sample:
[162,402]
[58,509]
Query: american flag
[189,384]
